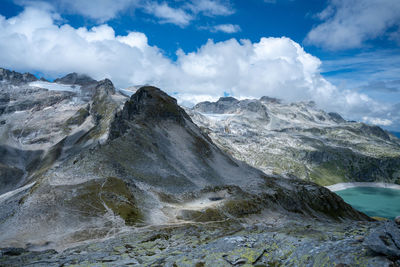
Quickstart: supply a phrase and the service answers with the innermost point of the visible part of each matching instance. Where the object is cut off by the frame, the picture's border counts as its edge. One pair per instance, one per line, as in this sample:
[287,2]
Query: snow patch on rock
[55,86]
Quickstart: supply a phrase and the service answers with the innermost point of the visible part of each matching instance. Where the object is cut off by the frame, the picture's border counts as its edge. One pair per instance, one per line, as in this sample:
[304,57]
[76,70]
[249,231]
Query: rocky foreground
[92,177]
[227,243]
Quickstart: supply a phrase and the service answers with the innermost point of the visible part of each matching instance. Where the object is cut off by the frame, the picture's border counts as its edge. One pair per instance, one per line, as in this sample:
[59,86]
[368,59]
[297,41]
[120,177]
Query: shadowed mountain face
[75,78]
[299,140]
[103,163]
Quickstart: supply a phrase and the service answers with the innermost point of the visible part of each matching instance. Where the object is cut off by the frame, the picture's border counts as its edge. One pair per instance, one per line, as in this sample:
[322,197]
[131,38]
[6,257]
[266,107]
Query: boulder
[385,240]
[397,220]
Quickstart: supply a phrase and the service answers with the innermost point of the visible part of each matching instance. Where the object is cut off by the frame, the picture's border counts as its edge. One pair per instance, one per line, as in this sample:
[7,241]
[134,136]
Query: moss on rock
[94,197]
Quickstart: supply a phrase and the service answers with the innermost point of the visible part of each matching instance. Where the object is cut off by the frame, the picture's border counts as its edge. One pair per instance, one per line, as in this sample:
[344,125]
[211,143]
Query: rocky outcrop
[229,105]
[147,104]
[9,177]
[336,117]
[217,244]
[75,78]
[36,123]
[223,105]
[16,78]
[385,240]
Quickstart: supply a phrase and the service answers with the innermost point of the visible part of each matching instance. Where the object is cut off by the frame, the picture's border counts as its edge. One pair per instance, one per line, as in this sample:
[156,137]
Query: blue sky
[343,54]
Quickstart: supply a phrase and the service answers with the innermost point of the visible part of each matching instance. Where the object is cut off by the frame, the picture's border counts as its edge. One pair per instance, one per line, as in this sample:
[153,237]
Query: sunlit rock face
[85,165]
[298,139]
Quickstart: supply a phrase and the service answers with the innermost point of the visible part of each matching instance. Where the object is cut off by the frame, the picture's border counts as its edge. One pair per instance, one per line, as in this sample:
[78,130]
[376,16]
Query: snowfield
[56,86]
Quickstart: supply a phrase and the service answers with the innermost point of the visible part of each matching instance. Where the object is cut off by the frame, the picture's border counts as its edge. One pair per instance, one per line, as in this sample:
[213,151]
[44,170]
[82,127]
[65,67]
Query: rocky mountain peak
[16,78]
[105,86]
[336,117]
[223,105]
[148,104]
[153,103]
[230,105]
[76,78]
[228,99]
[267,99]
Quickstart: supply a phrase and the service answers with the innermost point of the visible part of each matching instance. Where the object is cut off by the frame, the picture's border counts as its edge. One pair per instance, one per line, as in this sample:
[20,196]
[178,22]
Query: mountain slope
[104,168]
[299,140]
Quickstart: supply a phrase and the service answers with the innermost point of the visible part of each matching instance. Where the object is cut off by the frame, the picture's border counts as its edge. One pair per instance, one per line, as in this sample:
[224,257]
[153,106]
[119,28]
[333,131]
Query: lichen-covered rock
[385,240]
[291,243]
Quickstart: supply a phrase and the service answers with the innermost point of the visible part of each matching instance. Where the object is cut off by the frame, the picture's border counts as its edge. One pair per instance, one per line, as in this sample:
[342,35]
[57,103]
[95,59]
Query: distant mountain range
[298,139]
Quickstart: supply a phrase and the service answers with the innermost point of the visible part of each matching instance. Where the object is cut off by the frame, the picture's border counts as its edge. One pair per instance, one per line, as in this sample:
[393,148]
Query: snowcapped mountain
[298,139]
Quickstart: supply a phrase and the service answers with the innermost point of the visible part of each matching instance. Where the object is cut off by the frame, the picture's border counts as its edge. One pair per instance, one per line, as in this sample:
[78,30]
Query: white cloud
[167,14]
[377,121]
[349,23]
[211,7]
[99,10]
[277,67]
[180,13]
[227,28]
[378,70]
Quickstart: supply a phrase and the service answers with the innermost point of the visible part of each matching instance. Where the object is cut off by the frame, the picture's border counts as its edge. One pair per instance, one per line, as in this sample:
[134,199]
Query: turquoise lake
[380,202]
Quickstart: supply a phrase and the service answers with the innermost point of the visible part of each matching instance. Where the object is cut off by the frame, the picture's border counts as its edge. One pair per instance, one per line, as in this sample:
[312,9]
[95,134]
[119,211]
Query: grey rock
[267,99]
[397,220]
[9,177]
[75,78]
[359,238]
[223,105]
[12,251]
[336,117]
[385,240]
[374,131]
[109,259]
[16,78]
[106,87]
[290,243]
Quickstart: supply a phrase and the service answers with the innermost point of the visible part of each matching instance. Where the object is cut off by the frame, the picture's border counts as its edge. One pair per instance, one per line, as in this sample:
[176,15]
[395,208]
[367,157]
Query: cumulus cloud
[277,67]
[349,23]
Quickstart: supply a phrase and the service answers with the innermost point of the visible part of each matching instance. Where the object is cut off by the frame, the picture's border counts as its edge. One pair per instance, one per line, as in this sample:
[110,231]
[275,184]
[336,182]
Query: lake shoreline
[343,186]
